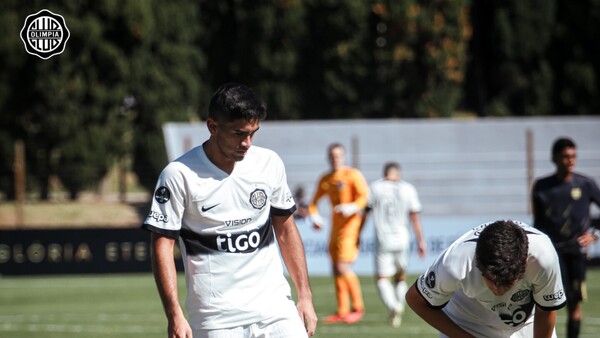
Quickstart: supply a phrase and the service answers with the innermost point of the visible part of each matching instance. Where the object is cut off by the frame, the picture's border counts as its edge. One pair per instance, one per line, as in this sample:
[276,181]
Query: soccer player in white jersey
[498,280]
[393,204]
[229,204]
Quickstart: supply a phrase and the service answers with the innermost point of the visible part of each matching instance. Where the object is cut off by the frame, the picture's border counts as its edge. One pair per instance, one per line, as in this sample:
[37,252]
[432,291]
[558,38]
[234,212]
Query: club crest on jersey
[430,280]
[162,195]
[576,193]
[258,198]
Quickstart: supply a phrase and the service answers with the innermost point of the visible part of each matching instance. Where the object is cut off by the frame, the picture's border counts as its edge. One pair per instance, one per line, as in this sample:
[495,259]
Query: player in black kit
[561,209]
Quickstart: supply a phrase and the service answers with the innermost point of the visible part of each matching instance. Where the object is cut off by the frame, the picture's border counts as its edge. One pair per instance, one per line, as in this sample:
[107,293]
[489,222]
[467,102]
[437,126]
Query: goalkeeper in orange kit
[347,190]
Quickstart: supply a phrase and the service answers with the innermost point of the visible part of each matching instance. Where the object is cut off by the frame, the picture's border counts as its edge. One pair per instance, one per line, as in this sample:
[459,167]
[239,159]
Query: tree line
[130,66]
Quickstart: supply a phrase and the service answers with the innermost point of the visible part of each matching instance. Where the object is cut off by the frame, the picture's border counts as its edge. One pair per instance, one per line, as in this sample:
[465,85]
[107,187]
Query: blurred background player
[561,209]
[347,191]
[229,203]
[394,204]
[498,280]
[301,205]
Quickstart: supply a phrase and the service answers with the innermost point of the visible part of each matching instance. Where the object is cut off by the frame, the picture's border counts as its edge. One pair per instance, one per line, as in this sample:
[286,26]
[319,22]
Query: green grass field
[120,306]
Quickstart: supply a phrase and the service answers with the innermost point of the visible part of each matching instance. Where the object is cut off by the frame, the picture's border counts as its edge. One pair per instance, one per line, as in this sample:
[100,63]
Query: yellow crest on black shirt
[576,193]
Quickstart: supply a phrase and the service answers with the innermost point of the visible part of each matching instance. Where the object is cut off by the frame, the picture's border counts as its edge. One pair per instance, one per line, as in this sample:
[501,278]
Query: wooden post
[355,151]
[20,182]
[530,165]
[122,173]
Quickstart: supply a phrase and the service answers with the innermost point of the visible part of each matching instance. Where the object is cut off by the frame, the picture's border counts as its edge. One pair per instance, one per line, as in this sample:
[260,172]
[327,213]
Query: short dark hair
[390,165]
[501,252]
[335,145]
[560,144]
[233,101]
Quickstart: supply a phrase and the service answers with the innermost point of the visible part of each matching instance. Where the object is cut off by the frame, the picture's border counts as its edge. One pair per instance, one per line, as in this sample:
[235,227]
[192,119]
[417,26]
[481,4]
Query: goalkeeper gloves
[317,221]
[346,209]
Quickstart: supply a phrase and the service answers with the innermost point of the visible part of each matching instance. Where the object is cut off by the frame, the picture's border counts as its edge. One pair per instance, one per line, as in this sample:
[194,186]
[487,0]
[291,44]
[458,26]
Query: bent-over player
[498,280]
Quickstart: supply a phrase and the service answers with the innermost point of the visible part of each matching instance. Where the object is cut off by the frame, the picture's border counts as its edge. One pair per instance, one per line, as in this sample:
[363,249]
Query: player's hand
[586,239]
[308,316]
[317,221]
[346,209]
[179,328]
[422,249]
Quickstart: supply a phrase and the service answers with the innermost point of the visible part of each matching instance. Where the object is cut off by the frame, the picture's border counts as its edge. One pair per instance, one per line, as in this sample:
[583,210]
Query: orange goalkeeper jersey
[346,185]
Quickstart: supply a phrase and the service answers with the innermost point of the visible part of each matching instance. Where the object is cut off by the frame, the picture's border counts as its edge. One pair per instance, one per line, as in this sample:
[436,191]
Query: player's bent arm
[292,252]
[436,318]
[364,220]
[312,206]
[165,276]
[543,323]
[362,191]
[415,220]
[313,210]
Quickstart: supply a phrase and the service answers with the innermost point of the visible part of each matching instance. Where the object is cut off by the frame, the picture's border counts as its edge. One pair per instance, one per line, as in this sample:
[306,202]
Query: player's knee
[341,268]
[399,277]
[575,311]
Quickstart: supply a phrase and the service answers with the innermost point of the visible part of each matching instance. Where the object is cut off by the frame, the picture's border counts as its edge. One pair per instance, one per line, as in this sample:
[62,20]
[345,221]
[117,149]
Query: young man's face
[393,174]
[233,139]
[336,158]
[565,161]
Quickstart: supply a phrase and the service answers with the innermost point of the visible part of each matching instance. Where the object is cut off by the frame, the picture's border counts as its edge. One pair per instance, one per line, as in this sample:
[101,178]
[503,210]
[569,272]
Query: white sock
[401,289]
[387,294]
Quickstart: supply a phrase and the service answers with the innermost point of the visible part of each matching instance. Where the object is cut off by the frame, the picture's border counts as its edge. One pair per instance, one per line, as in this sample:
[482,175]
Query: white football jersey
[391,203]
[233,269]
[455,284]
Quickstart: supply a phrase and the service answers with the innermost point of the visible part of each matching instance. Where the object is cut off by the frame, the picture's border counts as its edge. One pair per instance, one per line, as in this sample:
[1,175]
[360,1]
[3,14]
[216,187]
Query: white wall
[466,171]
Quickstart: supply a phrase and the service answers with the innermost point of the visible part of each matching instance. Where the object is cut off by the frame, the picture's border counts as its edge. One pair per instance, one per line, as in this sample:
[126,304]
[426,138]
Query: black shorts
[572,267]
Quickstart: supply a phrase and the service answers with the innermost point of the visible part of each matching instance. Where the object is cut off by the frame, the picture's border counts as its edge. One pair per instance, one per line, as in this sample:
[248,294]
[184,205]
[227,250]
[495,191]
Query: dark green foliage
[256,43]
[575,58]
[420,53]
[509,71]
[131,66]
[336,59]
[54,103]
[165,82]
[70,109]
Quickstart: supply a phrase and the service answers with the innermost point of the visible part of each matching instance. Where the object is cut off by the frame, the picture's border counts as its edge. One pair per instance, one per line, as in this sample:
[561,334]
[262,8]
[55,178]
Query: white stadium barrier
[466,171]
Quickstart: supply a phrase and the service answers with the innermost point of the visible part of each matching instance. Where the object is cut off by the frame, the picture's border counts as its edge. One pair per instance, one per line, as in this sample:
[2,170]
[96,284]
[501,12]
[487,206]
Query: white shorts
[388,263]
[284,328]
